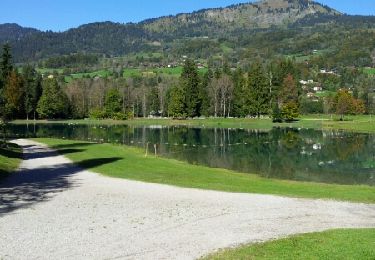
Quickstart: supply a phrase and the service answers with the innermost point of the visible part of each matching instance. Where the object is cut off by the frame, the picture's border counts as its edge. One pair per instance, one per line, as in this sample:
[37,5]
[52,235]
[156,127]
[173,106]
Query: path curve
[51,209]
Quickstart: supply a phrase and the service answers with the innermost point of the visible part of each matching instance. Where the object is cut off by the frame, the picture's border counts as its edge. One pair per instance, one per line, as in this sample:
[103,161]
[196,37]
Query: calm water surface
[303,155]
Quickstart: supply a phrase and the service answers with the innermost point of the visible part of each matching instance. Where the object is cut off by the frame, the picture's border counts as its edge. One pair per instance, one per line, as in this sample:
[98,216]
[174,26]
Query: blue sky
[59,15]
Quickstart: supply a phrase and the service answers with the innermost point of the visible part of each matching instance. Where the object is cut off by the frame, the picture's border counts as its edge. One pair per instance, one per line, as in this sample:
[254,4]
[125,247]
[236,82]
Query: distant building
[310,95]
[318,88]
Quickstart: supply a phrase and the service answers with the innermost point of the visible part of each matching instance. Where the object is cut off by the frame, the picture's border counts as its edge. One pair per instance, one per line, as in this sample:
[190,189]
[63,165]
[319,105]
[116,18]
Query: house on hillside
[318,88]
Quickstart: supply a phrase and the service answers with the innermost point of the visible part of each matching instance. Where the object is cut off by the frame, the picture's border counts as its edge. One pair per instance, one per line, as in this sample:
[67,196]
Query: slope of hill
[261,29]
[14,32]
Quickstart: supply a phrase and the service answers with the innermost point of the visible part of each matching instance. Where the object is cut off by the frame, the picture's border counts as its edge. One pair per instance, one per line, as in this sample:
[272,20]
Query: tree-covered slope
[261,29]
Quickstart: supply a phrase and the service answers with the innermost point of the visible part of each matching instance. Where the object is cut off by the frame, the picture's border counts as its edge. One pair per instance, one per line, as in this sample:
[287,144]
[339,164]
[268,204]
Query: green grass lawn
[10,158]
[131,163]
[364,123]
[334,244]
[370,71]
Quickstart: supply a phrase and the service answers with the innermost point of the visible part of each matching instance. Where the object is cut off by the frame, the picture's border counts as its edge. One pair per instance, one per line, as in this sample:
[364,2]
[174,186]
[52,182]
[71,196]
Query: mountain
[260,29]
[262,14]
[14,32]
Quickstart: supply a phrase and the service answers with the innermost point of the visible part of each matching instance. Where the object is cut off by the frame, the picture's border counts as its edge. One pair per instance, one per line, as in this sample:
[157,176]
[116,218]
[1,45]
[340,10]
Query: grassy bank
[10,158]
[333,244]
[131,163]
[351,123]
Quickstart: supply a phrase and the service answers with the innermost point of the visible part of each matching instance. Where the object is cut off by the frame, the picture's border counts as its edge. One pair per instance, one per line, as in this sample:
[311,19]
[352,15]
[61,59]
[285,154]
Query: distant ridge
[234,22]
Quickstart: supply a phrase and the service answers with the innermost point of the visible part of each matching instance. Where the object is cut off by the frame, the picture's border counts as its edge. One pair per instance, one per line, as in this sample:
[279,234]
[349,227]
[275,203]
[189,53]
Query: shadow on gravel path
[43,174]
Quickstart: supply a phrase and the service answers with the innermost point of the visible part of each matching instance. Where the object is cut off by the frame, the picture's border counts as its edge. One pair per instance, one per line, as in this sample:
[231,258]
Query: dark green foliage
[239,98]
[308,106]
[113,103]
[72,60]
[154,101]
[176,106]
[189,82]
[277,117]
[53,103]
[258,99]
[204,104]
[33,90]
[6,63]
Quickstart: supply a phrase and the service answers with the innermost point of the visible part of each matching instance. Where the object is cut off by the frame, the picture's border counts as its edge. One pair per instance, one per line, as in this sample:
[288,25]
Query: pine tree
[33,90]
[189,83]
[154,101]
[238,93]
[6,63]
[204,108]
[176,106]
[258,96]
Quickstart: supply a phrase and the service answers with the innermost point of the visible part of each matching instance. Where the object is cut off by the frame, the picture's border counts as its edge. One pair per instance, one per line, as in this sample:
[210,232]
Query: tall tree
[239,86]
[113,102]
[154,101]
[33,90]
[259,96]
[13,94]
[6,68]
[288,99]
[189,82]
[204,108]
[6,63]
[176,106]
[53,103]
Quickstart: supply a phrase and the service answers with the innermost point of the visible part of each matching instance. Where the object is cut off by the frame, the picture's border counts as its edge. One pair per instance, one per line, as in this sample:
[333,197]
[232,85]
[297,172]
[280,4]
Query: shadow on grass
[30,186]
[12,151]
[46,154]
[65,146]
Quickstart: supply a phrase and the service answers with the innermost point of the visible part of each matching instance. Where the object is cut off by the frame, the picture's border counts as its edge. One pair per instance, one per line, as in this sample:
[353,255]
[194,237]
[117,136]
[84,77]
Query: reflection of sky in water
[306,155]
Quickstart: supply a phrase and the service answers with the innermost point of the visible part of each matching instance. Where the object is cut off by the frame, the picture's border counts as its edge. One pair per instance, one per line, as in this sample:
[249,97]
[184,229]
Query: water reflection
[304,155]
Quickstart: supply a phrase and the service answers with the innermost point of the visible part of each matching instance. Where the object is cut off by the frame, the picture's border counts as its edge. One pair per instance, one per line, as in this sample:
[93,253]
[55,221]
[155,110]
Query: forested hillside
[262,29]
[276,58]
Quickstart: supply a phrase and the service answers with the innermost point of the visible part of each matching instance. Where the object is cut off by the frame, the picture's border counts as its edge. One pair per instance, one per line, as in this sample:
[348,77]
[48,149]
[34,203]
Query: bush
[119,116]
[276,114]
[97,114]
[290,111]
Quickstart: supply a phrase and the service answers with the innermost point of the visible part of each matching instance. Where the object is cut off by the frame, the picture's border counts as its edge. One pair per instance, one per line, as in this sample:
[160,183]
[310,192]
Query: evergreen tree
[33,90]
[176,106]
[259,96]
[6,63]
[6,68]
[204,108]
[53,103]
[189,82]
[238,94]
[154,101]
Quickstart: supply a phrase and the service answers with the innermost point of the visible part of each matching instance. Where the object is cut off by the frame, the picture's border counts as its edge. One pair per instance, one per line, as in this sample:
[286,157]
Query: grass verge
[10,159]
[130,163]
[333,244]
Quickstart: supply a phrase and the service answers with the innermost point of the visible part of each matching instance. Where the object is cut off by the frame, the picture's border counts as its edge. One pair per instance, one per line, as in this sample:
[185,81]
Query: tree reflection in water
[295,154]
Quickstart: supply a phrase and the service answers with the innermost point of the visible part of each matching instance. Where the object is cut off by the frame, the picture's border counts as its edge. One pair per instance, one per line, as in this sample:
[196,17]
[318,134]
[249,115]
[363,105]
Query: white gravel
[53,210]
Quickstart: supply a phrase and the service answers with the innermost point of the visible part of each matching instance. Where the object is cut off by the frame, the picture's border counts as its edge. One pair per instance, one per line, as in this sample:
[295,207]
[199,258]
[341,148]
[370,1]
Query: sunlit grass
[131,163]
[334,244]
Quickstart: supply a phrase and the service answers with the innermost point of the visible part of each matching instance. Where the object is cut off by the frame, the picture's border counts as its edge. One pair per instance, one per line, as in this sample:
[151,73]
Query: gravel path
[51,209]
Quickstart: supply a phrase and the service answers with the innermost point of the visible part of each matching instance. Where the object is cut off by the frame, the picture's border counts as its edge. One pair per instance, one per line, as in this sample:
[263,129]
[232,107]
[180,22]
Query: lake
[293,154]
